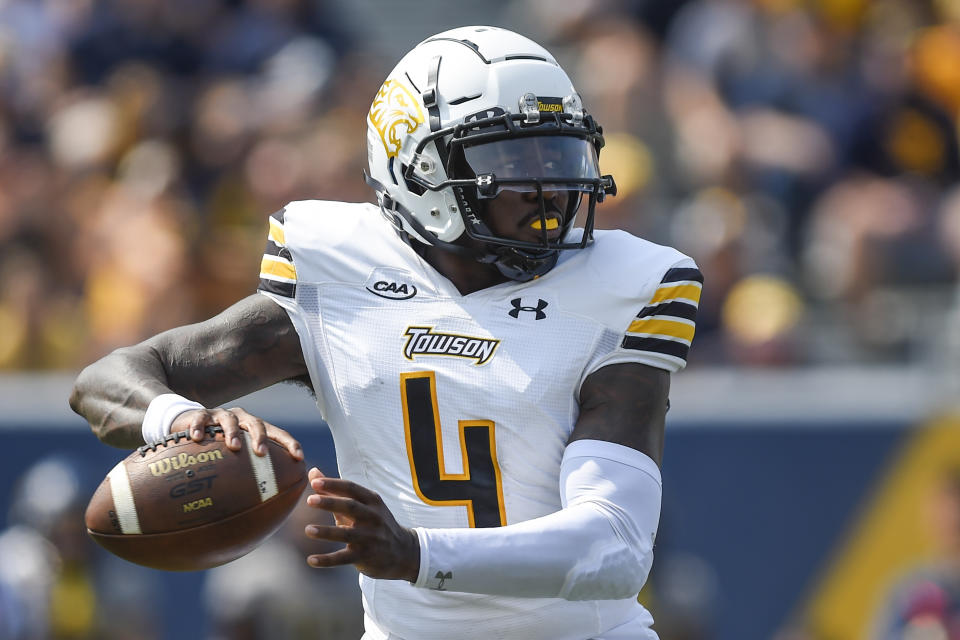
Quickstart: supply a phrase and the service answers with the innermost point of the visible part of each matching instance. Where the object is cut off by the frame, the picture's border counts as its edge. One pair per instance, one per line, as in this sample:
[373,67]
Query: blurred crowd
[804,152]
[55,584]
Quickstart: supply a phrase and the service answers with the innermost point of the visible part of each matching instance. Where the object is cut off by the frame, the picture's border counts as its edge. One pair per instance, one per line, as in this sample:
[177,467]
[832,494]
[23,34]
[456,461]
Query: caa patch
[391,284]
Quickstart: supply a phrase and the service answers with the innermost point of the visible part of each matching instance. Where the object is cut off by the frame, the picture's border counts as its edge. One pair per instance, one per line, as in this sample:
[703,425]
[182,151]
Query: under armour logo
[518,307]
[442,577]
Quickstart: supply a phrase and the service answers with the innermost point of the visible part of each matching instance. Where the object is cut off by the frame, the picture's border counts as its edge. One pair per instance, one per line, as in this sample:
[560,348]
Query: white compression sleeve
[598,547]
[161,412]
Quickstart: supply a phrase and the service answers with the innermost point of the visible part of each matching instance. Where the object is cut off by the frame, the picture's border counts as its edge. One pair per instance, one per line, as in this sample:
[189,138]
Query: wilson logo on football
[182,461]
[393,290]
[423,341]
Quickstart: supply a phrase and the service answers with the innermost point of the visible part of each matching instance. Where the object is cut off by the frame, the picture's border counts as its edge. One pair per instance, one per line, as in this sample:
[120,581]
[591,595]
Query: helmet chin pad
[521,265]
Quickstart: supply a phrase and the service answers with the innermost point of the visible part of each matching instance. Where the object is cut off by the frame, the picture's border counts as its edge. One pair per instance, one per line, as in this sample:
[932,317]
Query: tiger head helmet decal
[395,113]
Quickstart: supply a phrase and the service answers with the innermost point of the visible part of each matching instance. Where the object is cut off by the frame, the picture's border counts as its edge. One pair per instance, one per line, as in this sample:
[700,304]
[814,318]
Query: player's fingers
[316,483]
[335,534]
[345,506]
[342,487]
[283,437]
[230,425]
[340,519]
[193,422]
[334,559]
[253,425]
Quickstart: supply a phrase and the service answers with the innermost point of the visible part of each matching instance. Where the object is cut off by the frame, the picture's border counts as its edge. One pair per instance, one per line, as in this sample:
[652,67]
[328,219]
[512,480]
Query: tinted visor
[536,158]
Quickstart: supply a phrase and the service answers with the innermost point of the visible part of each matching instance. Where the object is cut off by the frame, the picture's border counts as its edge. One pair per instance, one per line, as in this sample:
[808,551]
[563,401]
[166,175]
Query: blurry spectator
[871,240]
[760,319]
[684,596]
[926,602]
[55,584]
[272,594]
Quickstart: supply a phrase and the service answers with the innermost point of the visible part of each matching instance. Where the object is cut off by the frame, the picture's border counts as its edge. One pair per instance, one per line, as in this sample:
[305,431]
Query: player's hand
[376,543]
[233,421]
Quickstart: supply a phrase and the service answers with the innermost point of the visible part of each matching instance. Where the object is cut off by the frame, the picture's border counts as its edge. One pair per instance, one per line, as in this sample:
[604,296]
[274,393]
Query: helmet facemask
[516,152]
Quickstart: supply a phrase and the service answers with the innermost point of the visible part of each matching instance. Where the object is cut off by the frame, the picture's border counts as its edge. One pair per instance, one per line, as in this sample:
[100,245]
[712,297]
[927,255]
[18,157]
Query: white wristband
[161,413]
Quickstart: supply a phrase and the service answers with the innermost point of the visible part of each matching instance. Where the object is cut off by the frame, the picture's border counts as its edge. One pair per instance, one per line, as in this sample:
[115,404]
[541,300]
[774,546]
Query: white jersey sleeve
[306,244]
[652,297]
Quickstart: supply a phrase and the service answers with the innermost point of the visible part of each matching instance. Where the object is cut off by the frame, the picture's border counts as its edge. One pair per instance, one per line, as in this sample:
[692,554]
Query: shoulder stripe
[277,268]
[677,309]
[285,289]
[687,291]
[657,345]
[273,249]
[664,327]
[276,234]
[278,275]
[680,274]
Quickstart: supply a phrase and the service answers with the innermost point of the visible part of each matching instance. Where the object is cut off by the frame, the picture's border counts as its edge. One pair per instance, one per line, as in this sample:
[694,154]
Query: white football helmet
[471,112]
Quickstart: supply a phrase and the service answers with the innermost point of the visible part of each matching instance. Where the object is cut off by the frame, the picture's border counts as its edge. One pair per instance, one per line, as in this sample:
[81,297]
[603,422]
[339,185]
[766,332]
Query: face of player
[515,211]
[516,215]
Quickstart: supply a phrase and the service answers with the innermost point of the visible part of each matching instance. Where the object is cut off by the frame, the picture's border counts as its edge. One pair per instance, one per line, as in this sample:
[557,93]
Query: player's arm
[247,347]
[599,546]
[625,404]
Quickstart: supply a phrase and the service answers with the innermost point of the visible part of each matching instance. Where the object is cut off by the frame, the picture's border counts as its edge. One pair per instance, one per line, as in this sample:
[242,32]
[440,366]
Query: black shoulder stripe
[285,289]
[668,347]
[676,309]
[278,215]
[681,274]
[273,249]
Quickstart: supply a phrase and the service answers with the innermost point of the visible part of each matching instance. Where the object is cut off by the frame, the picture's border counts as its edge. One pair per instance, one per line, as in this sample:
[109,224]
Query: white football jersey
[455,408]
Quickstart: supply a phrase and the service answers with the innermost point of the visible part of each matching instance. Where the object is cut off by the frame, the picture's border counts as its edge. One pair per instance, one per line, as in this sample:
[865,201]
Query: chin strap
[516,265]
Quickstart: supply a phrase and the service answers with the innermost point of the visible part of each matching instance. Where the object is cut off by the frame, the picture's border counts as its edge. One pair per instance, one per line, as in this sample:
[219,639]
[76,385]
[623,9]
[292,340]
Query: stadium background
[803,152]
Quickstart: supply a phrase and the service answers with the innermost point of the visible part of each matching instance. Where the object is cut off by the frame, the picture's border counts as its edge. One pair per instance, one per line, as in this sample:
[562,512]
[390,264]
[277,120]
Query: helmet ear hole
[412,187]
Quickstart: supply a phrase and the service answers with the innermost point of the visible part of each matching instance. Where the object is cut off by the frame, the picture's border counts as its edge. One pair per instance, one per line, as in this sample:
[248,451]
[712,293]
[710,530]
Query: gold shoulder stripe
[276,232]
[664,328]
[277,268]
[690,291]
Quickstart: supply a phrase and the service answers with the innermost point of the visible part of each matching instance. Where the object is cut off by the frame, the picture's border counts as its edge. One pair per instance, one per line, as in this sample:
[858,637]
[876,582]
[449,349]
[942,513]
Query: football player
[495,375]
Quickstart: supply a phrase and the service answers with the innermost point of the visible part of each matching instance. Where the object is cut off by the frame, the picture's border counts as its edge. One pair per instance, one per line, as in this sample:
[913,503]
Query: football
[180,505]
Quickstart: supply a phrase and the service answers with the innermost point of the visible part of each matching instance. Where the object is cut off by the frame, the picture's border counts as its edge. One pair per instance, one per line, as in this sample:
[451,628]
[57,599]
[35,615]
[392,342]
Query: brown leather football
[181,505]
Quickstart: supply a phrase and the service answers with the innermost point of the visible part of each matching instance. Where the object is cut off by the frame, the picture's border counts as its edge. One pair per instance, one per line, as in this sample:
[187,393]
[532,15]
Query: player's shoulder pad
[646,295]
[617,275]
[315,224]
[323,238]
